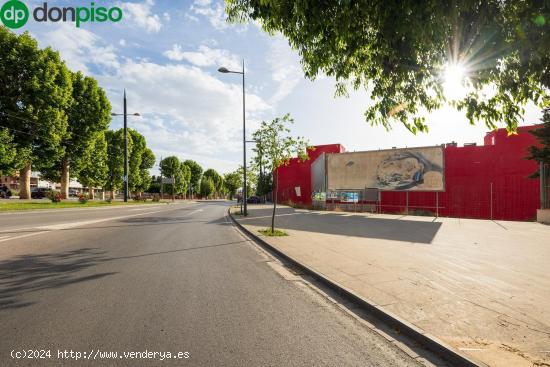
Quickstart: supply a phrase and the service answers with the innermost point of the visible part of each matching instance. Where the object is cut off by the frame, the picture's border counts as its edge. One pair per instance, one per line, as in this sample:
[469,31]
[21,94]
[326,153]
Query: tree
[135,157]
[265,184]
[232,182]
[541,154]
[279,147]
[398,51]
[115,159]
[8,153]
[185,178]
[88,114]
[196,174]
[258,165]
[207,187]
[35,92]
[95,170]
[172,167]
[216,179]
[147,162]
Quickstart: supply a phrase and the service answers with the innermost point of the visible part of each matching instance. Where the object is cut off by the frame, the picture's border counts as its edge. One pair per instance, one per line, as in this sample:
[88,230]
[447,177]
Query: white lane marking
[22,236]
[60,226]
[3,237]
[133,210]
[16,229]
[93,221]
[65,210]
[195,211]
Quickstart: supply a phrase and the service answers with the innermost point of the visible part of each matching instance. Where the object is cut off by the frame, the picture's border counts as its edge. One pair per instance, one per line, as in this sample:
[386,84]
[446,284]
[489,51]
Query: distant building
[12,182]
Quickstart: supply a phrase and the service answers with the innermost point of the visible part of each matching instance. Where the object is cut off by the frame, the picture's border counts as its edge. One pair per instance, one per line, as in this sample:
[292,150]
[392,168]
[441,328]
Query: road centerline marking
[62,226]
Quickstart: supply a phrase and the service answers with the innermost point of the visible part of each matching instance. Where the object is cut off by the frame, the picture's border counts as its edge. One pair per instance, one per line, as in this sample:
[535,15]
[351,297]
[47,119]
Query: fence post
[543,183]
[491,201]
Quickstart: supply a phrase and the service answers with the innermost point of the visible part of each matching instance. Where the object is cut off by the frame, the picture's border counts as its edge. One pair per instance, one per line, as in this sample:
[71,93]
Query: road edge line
[426,340]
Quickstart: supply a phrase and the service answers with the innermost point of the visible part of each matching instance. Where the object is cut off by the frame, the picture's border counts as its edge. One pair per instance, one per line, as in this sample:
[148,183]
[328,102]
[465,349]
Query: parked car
[73,192]
[40,192]
[5,193]
[253,200]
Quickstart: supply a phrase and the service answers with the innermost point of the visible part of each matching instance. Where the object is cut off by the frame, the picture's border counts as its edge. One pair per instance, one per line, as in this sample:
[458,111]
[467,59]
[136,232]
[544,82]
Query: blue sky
[166,54]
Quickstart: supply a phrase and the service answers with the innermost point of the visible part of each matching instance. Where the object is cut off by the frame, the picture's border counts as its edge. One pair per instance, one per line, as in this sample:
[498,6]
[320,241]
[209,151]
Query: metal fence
[509,198]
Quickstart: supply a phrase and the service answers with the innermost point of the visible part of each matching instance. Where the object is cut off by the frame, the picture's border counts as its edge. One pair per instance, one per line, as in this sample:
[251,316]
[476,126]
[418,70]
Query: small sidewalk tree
[278,147]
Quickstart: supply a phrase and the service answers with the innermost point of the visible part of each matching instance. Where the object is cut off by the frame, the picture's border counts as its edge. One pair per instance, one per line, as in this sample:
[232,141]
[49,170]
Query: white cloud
[285,68]
[79,47]
[215,14]
[186,110]
[204,57]
[141,14]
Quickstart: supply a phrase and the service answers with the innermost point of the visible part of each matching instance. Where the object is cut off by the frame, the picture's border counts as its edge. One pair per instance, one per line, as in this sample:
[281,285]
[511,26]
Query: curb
[429,342]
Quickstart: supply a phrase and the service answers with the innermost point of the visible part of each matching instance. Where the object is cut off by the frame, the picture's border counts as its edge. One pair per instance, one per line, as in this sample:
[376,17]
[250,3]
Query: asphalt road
[157,279]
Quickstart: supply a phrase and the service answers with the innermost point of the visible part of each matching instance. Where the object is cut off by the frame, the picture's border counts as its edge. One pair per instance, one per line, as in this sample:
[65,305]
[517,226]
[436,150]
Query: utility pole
[244,150]
[225,70]
[125,180]
[161,183]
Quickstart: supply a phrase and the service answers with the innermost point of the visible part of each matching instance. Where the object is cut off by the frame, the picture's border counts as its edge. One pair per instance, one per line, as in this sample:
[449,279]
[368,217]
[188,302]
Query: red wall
[469,174]
[298,174]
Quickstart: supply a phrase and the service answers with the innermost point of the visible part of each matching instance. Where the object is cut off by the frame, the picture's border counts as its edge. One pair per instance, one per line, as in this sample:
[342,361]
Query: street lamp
[125,114]
[225,71]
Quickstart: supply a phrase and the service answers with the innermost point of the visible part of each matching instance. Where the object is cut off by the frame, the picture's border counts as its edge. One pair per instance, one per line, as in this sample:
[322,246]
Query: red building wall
[298,174]
[489,181]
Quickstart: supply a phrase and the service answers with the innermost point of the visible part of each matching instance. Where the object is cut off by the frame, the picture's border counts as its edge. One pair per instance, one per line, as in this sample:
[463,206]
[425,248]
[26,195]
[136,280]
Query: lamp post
[225,70]
[125,114]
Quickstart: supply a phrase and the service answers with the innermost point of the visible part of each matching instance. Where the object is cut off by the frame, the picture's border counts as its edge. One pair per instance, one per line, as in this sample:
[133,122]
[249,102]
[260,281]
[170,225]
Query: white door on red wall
[298,191]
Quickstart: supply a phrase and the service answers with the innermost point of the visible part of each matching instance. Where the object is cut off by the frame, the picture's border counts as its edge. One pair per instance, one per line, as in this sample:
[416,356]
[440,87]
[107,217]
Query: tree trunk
[25,182]
[91,192]
[103,194]
[274,207]
[65,181]
[112,195]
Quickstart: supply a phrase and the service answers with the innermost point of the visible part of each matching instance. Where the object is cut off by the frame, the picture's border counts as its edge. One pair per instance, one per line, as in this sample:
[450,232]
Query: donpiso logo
[15,14]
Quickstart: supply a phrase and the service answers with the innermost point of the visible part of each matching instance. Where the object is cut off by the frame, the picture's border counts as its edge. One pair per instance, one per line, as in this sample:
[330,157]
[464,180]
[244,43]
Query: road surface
[126,286]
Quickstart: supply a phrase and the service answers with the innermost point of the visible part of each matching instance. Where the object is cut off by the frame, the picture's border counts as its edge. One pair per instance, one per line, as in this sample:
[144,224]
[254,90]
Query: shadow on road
[31,273]
[346,224]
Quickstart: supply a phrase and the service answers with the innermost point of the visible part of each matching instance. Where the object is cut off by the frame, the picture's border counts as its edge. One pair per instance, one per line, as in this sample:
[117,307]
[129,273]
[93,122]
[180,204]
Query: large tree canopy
[196,173]
[8,152]
[35,92]
[172,167]
[398,51]
[89,113]
[95,170]
[216,179]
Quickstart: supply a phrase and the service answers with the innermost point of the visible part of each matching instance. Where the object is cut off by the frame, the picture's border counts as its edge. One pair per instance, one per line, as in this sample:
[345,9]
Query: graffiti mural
[420,169]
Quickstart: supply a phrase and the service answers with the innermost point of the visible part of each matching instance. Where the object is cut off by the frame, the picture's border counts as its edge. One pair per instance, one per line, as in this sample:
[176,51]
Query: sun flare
[454,81]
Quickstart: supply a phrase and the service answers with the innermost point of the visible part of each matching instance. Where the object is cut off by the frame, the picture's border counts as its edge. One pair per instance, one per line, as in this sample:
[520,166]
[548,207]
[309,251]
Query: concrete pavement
[480,286]
[176,278]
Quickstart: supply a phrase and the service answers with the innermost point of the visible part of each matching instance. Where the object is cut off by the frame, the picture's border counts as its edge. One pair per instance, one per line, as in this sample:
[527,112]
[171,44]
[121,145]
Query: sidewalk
[483,287]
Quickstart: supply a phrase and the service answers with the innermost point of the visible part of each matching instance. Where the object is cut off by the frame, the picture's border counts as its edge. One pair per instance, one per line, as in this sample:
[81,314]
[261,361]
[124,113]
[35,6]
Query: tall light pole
[125,178]
[225,70]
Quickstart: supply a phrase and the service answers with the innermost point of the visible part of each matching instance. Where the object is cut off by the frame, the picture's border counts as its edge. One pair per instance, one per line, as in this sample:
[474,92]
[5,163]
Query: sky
[166,53]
